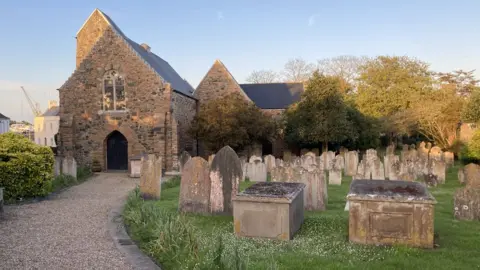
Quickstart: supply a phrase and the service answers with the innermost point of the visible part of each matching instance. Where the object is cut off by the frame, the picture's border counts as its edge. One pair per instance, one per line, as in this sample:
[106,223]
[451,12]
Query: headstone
[343,151]
[466,203]
[278,174]
[254,158]
[351,163]
[340,161]
[461,176]
[326,159]
[435,153]
[472,175]
[195,187]
[438,168]
[212,156]
[303,151]
[390,150]
[69,166]
[361,170]
[430,179]
[394,169]
[269,162]
[309,159]
[151,177]
[225,175]
[184,157]
[287,156]
[256,171]
[422,151]
[407,171]
[315,192]
[278,162]
[449,158]
[378,172]
[296,162]
[405,152]
[335,174]
[57,166]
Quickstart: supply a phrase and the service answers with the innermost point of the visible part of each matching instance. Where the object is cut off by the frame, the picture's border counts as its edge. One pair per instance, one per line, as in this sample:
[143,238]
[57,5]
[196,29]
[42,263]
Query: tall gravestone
[435,154]
[395,166]
[195,187]
[184,157]
[151,177]
[438,168]
[472,175]
[269,162]
[335,173]
[256,171]
[351,163]
[308,159]
[225,175]
[449,158]
[69,166]
[315,192]
[467,200]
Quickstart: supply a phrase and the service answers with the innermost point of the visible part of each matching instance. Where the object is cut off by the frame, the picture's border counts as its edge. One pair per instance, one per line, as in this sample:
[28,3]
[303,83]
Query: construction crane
[35,107]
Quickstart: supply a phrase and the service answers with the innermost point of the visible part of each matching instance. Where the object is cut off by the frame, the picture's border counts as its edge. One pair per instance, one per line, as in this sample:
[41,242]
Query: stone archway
[116,151]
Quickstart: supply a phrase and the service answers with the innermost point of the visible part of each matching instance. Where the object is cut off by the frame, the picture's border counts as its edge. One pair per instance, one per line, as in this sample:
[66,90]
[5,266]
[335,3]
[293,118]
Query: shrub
[63,181]
[83,173]
[471,152]
[26,169]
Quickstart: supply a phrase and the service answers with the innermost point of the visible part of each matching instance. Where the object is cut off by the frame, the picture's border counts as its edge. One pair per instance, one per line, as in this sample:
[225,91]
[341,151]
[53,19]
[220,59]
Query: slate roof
[3,116]
[161,66]
[273,95]
[53,111]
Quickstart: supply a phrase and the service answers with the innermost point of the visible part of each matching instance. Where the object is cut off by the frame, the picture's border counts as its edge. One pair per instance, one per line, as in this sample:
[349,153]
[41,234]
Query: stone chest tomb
[390,212]
[269,210]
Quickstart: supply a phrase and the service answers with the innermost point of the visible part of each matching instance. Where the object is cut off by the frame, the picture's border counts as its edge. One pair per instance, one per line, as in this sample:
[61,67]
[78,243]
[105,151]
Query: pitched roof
[160,66]
[3,116]
[53,111]
[273,95]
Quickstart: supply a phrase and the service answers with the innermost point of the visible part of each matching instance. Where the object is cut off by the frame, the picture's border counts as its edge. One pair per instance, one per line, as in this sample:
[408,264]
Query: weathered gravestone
[404,153]
[57,166]
[212,156]
[308,159]
[407,171]
[435,154]
[269,162]
[472,175]
[315,193]
[69,166]
[151,177]
[390,150]
[184,157]
[225,175]
[449,158]
[373,167]
[335,174]
[392,166]
[422,151]
[351,163]
[254,158]
[256,171]
[461,176]
[195,187]
[303,151]
[466,203]
[278,163]
[438,168]
[326,160]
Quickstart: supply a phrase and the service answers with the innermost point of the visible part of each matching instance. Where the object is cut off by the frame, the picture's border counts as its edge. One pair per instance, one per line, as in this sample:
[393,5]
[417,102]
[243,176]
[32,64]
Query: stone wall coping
[389,190]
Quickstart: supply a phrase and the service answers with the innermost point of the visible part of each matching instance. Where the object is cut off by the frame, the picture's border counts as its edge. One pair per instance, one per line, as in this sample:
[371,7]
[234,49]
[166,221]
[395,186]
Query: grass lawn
[193,242]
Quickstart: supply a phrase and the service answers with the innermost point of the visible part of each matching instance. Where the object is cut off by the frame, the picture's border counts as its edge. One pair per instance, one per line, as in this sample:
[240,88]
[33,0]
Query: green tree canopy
[471,111]
[390,84]
[233,121]
[321,114]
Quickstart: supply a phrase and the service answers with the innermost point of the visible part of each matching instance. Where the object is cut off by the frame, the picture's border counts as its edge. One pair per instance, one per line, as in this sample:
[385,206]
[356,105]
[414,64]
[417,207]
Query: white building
[46,125]
[4,123]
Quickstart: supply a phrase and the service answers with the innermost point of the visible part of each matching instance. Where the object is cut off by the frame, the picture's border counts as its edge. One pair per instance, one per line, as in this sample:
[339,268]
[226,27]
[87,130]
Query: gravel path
[68,231]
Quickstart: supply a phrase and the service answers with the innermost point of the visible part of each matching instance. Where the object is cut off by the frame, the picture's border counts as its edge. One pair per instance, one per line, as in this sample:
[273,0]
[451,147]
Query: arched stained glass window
[113,92]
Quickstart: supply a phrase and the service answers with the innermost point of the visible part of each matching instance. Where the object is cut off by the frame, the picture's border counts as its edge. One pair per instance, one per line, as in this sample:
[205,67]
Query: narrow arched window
[113,92]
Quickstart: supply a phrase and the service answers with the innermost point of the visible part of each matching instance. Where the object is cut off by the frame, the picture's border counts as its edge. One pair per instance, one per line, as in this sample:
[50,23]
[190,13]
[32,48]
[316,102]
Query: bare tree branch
[263,76]
[297,70]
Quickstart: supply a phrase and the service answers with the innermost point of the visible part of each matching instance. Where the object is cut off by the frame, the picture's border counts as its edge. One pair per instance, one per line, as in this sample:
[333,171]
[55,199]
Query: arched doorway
[117,151]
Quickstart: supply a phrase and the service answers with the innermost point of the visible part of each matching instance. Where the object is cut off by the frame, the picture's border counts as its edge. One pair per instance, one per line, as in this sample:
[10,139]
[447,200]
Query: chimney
[52,103]
[146,47]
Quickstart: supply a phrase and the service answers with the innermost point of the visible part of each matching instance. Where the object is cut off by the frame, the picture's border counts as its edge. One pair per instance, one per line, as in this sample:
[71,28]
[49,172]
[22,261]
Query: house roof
[161,67]
[3,116]
[53,111]
[273,95]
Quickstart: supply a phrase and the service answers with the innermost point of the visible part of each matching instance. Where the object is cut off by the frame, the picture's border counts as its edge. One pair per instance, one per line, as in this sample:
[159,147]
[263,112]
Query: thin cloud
[311,20]
[220,15]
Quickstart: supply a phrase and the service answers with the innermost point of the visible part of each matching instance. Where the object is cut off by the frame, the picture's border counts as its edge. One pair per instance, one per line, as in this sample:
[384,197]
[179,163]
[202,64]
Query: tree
[297,70]
[390,84]
[463,82]
[262,76]
[438,116]
[320,116]
[233,121]
[471,110]
[343,66]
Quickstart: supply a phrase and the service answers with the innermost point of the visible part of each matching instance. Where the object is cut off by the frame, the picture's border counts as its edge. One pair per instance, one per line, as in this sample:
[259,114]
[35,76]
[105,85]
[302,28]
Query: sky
[37,48]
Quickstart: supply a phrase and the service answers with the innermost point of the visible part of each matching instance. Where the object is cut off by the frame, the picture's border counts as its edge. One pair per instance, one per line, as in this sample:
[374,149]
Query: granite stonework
[269,210]
[195,187]
[391,212]
[156,115]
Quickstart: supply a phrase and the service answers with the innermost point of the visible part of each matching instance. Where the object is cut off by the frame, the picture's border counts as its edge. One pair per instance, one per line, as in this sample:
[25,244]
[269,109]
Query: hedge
[26,169]
[471,152]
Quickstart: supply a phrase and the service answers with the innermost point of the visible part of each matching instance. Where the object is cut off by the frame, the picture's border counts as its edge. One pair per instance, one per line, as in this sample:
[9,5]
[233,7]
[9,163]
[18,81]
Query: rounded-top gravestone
[195,187]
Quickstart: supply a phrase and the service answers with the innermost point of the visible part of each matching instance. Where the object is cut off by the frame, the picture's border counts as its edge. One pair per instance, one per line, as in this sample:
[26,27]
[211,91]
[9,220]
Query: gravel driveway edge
[124,243]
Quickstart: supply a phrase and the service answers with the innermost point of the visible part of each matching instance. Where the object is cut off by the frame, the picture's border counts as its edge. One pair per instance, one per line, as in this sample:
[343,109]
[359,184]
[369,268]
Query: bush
[83,173]
[63,181]
[26,169]
[471,152]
